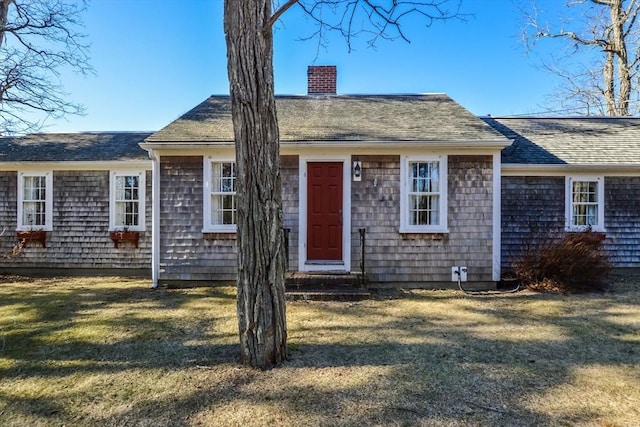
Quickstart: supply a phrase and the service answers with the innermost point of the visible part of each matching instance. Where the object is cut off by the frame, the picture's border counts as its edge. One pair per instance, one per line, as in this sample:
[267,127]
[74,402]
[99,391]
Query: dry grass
[112,352]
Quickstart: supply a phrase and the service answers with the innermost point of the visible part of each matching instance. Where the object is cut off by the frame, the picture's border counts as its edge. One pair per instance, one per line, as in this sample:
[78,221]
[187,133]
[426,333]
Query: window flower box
[32,236]
[125,236]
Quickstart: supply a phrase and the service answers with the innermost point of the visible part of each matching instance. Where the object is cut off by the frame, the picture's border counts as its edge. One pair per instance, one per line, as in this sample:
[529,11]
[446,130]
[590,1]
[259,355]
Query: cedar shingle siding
[421,258]
[289,167]
[188,254]
[532,210]
[80,238]
[8,211]
[185,252]
[622,220]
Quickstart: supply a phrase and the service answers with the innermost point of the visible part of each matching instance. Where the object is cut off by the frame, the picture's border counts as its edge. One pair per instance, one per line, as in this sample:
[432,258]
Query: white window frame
[405,183]
[207,226]
[569,208]
[141,174]
[48,202]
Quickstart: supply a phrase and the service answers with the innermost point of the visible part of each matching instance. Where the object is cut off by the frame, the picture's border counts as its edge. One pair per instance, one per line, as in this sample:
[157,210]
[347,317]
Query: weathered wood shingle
[398,258]
[61,147]
[80,238]
[393,118]
[603,141]
[622,220]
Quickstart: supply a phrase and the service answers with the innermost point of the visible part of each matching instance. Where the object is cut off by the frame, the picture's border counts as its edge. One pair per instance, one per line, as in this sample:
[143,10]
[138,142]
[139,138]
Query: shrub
[571,262]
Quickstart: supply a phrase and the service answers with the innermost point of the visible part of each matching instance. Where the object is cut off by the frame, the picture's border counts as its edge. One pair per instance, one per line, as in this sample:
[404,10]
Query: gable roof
[354,118]
[581,141]
[69,147]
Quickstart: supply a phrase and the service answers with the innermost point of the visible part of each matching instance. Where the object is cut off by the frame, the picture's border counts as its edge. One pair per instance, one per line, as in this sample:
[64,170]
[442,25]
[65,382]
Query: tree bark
[261,258]
[609,92]
[620,47]
[4,12]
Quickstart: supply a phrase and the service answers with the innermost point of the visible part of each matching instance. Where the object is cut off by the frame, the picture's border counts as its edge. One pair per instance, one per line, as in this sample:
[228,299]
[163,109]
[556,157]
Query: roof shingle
[61,147]
[606,141]
[430,117]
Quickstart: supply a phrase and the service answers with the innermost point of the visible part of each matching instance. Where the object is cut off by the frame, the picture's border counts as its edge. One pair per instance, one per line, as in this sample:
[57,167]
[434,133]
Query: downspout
[155,218]
[497,216]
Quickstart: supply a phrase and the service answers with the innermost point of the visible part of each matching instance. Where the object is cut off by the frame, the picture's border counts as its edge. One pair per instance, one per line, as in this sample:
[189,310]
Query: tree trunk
[620,48]
[261,258]
[4,12]
[609,92]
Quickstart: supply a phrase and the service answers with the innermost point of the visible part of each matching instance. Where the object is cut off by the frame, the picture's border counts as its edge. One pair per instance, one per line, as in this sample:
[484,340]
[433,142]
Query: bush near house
[570,263]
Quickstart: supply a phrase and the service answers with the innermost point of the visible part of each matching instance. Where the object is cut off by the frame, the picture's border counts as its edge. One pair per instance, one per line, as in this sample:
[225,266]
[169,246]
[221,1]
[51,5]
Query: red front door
[324,211]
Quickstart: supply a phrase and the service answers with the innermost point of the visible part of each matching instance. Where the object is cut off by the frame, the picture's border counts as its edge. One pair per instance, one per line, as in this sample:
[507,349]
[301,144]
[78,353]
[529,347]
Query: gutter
[515,169]
[359,145]
[95,165]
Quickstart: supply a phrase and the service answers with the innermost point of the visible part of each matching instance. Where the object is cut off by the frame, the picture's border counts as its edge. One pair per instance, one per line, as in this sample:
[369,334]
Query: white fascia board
[388,149]
[77,166]
[562,170]
[418,144]
[202,150]
[188,146]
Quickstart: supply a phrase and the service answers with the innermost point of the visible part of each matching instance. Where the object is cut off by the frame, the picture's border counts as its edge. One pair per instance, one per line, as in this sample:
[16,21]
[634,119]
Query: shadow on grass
[458,366]
[120,328]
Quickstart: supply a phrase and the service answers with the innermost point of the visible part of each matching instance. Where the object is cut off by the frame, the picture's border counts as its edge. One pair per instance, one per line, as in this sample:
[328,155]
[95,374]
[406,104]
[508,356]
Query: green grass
[112,352]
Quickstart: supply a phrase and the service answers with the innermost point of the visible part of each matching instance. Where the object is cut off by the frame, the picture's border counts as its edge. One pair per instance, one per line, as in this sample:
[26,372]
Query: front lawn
[112,352]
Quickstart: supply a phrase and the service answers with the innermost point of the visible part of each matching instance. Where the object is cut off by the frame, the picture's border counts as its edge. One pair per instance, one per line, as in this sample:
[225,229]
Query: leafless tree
[599,69]
[38,38]
[248,26]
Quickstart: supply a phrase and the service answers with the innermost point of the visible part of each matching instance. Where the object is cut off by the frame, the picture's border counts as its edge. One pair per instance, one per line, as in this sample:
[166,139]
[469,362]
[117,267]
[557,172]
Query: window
[220,195]
[35,201]
[585,203]
[423,194]
[127,201]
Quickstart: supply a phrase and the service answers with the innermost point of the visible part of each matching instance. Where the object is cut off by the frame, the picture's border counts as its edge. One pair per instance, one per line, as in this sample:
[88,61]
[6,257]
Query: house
[70,197]
[571,174]
[418,175]
[410,188]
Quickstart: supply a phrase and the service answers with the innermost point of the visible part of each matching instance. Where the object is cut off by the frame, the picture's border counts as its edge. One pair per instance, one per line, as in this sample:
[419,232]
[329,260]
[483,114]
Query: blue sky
[156,59]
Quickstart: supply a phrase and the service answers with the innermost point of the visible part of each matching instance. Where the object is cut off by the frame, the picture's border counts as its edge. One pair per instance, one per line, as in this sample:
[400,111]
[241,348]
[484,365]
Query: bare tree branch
[378,19]
[38,39]
[278,13]
[606,29]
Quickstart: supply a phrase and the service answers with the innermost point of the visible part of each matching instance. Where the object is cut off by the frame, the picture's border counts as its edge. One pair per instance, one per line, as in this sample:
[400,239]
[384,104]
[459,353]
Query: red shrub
[573,262]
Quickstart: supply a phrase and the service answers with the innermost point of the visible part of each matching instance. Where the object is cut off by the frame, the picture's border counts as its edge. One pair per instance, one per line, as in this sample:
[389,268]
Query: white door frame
[345,264]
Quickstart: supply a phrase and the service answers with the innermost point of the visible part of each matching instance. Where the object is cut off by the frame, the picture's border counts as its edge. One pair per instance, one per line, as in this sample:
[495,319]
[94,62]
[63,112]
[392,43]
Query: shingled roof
[588,141]
[63,147]
[424,118]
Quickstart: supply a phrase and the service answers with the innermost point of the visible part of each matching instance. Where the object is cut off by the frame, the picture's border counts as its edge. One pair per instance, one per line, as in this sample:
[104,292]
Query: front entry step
[328,295]
[326,286]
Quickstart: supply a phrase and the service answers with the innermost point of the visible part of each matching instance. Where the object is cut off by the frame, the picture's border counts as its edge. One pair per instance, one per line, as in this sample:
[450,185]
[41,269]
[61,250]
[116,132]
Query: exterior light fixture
[357,170]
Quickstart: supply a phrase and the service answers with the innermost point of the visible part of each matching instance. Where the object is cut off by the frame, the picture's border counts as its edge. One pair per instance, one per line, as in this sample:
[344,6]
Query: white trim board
[345,265]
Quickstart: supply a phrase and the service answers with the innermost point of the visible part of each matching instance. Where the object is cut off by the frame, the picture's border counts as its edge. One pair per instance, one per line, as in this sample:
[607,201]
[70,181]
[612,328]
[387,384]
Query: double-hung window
[585,203]
[219,195]
[423,181]
[127,200]
[35,201]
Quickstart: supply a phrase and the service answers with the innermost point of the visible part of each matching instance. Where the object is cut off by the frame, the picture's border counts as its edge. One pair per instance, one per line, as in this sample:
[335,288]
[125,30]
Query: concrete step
[326,286]
[328,294]
[321,280]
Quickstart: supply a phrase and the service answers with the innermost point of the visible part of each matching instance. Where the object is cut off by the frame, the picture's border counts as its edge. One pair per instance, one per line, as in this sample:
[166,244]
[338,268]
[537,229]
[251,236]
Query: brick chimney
[321,79]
